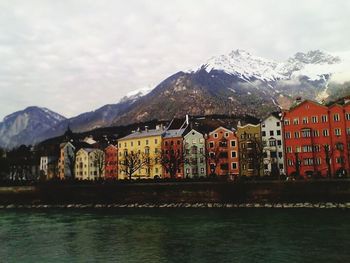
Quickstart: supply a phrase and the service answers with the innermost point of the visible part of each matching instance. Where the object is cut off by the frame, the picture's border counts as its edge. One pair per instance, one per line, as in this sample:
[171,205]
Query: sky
[76,56]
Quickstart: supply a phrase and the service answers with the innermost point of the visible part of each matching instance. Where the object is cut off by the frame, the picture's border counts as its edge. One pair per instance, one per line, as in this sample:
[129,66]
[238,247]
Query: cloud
[75,56]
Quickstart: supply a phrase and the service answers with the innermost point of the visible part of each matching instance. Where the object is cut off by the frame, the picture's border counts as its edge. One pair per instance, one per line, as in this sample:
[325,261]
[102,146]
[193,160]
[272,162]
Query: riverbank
[277,194]
[328,205]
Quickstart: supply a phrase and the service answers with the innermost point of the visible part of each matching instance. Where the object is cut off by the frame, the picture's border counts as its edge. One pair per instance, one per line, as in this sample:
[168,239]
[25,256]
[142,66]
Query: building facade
[49,167]
[250,150]
[66,160]
[111,162]
[145,146]
[194,153]
[272,139]
[173,153]
[89,164]
[222,152]
[317,139]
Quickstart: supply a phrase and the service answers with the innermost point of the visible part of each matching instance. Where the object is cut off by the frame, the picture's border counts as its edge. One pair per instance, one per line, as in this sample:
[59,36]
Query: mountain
[238,83]
[101,117]
[25,126]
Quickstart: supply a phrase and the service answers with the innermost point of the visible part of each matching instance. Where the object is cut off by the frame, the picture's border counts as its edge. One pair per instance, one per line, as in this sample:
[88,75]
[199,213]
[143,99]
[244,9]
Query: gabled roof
[174,133]
[306,101]
[195,131]
[111,146]
[143,134]
[221,127]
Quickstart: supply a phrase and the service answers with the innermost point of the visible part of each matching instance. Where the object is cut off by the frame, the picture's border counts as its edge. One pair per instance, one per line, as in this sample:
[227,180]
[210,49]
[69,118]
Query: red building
[111,162]
[316,139]
[222,152]
[172,153]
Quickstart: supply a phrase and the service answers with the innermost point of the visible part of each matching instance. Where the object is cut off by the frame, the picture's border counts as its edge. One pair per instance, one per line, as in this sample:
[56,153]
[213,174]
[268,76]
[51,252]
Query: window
[201,150]
[287,135]
[347,131]
[339,146]
[234,165]
[296,121]
[146,142]
[317,148]
[307,148]
[226,134]
[286,122]
[271,133]
[337,131]
[278,132]
[278,124]
[215,135]
[318,161]
[308,161]
[325,133]
[194,141]
[347,116]
[273,154]
[233,143]
[289,149]
[336,117]
[280,155]
[272,143]
[263,133]
[296,135]
[211,144]
[202,170]
[139,143]
[306,133]
[131,144]
[305,120]
[297,149]
[324,118]
[290,162]
[279,142]
[339,159]
[315,133]
[156,141]
[233,154]
[314,119]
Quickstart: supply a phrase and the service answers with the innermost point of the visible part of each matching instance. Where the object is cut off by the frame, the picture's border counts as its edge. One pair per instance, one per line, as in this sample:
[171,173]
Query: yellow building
[89,164]
[250,150]
[139,154]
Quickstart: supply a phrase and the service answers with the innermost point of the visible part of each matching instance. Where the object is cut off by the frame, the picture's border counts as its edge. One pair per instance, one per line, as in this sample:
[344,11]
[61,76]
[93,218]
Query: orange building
[222,152]
[317,139]
[111,162]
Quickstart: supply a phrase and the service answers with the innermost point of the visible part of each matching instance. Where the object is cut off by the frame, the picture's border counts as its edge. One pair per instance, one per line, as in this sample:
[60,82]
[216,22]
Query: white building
[89,164]
[272,139]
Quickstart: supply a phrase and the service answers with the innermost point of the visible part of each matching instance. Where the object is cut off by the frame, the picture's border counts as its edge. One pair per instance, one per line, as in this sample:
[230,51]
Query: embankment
[156,194]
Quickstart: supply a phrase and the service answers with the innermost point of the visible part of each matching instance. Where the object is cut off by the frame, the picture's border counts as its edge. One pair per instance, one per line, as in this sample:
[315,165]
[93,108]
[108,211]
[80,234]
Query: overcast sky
[75,56]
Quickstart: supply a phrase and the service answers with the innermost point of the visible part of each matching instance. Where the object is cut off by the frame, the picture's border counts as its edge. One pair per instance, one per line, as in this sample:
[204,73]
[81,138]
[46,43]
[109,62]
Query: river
[175,235]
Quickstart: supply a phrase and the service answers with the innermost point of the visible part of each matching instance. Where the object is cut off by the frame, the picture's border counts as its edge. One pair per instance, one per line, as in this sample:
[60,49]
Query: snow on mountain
[136,94]
[314,65]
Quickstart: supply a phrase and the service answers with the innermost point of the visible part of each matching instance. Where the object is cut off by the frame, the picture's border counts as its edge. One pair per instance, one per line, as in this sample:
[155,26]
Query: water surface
[175,235]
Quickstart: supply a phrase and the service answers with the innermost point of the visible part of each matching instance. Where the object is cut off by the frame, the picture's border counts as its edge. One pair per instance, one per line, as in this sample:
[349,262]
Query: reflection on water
[175,235]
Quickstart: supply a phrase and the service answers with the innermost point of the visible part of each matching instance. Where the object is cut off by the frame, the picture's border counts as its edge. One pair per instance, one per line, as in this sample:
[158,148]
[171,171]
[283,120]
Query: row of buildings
[310,139]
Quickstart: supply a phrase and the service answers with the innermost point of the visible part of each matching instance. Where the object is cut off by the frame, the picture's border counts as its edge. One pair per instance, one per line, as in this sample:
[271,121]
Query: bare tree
[253,154]
[99,162]
[133,161]
[213,157]
[171,160]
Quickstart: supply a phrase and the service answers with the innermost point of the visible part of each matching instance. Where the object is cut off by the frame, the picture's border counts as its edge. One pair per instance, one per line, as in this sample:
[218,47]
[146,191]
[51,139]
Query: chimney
[298,100]
[146,128]
[187,119]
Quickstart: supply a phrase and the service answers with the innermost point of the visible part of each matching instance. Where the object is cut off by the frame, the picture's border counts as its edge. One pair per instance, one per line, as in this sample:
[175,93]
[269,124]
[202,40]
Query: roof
[174,133]
[306,101]
[276,114]
[142,134]
[221,127]
[89,150]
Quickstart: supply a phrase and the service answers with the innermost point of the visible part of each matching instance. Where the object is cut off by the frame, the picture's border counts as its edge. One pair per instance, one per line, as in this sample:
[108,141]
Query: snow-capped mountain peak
[313,65]
[136,94]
